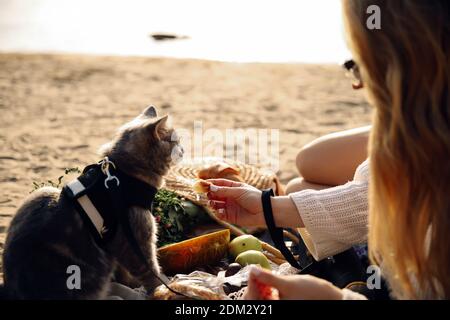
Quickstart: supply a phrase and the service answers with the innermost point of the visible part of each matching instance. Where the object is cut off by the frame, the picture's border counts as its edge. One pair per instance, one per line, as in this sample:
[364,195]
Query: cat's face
[146,146]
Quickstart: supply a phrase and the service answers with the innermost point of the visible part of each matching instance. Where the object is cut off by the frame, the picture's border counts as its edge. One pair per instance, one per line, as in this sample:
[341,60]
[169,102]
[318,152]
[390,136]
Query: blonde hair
[405,70]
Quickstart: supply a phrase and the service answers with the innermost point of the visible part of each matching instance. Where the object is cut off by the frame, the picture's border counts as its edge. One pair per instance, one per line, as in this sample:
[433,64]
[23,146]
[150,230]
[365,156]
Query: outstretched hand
[236,202]
[294,287]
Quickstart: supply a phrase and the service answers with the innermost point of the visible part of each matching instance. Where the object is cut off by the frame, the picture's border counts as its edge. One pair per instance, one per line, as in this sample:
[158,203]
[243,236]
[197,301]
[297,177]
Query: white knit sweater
[335,219]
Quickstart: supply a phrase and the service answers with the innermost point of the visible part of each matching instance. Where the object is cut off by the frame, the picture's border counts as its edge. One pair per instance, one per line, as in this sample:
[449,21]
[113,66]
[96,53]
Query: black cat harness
[103,195]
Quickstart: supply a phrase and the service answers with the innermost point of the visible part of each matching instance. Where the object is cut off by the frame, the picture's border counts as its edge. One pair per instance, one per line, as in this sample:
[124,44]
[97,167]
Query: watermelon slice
[185,256]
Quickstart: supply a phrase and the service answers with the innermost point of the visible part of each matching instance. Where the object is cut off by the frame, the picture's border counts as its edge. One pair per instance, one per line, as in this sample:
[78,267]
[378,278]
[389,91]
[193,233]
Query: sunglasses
[349,65]
[352,68]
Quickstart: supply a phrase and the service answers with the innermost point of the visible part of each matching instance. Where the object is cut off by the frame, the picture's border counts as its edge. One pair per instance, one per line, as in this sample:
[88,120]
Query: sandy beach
[56,110]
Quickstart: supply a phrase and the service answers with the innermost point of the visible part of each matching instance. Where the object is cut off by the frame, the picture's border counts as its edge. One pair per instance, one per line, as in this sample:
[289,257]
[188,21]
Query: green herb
[59,182]
[176,216]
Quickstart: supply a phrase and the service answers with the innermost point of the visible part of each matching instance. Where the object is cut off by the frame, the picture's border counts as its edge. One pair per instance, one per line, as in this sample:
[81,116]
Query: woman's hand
[240,203]
[295,287]
[236,202]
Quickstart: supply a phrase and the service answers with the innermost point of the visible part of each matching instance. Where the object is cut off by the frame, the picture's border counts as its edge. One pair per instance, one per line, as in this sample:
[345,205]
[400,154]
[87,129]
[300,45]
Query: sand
[56,110]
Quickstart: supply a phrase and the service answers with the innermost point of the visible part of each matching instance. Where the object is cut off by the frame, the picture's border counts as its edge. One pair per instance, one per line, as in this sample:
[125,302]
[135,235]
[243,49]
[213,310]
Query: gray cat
[47,234]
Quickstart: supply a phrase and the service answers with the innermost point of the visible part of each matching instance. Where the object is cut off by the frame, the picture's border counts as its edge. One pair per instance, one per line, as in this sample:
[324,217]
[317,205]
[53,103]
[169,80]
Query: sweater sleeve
[335,219]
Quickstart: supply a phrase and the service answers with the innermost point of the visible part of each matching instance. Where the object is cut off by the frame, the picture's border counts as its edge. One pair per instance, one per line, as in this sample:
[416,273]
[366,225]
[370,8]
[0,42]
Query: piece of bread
[220,170]
[201,186]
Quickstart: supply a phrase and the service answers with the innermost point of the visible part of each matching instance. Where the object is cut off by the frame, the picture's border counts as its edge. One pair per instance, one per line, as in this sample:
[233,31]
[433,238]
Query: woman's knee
[306,162]
[333,159]
[299,184]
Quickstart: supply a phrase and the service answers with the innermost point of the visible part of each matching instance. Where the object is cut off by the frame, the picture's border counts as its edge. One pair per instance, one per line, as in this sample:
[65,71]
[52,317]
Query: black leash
[275,232]
[124,221]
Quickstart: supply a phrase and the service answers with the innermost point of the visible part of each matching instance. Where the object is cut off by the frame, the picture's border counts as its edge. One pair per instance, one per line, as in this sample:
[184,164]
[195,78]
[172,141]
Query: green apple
[244,243]
[253,257]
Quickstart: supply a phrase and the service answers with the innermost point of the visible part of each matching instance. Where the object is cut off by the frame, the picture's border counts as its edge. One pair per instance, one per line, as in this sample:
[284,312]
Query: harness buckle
[104,165]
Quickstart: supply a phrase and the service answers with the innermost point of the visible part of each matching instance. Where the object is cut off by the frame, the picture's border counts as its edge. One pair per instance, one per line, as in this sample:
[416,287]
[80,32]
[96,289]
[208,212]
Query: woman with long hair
[405,70]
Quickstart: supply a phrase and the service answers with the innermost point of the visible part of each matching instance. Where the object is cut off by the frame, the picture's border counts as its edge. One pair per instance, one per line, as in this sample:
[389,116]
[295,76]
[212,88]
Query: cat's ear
[150,112]
[159,126]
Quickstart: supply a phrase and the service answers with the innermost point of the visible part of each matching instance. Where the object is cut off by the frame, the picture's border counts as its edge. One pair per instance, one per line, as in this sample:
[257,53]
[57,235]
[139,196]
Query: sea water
[231,30]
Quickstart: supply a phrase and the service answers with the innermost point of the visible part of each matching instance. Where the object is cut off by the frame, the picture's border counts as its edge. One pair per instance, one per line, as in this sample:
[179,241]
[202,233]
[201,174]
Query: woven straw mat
[182,176]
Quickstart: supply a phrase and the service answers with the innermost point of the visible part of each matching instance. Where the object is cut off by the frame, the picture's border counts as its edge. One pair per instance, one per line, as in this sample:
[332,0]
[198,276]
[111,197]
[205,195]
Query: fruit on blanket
[244,243]
[184,256]
[192,210]
[232,269]
[253,257]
